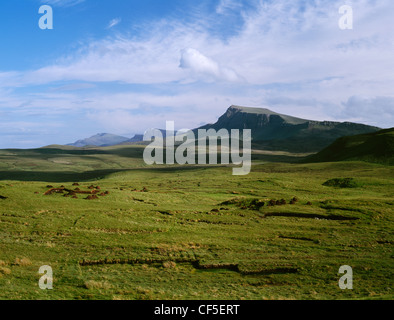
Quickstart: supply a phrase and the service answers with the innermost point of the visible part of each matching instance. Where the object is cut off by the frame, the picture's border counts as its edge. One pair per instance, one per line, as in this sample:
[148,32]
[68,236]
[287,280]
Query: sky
[125,66]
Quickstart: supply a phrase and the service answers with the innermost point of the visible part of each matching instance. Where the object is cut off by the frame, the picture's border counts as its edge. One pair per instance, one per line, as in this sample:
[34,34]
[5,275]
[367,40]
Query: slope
[373,147]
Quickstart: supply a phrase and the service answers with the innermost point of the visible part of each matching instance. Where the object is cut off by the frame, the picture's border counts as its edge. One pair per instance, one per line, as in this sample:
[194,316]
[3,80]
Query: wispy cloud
[62,3]
[278,43]
[200,65]
[287,55]
[358,108]
[228,5]
[74,87]
[113,23]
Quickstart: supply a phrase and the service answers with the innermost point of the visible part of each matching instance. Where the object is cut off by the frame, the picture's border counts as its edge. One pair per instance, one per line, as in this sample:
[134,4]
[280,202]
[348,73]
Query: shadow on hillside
[277,158]
[55,151]
[56,176]
[62,176]
[43,153]
[127,152]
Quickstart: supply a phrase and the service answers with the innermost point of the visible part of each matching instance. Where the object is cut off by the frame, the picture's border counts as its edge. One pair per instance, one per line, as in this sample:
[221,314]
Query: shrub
[271,203]
[252,204]
[341,183]
[256,204]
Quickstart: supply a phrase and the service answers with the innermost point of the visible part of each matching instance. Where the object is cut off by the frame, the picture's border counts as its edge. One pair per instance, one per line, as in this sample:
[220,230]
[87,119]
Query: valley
[197,232]
[112,227]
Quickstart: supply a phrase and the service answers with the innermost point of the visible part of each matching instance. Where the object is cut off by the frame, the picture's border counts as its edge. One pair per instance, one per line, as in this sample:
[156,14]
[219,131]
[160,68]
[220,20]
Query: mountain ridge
[271,131]
[99,140]
[274,131]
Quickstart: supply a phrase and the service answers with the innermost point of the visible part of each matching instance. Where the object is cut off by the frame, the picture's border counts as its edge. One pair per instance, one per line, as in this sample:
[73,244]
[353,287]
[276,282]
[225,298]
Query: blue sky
[124,66]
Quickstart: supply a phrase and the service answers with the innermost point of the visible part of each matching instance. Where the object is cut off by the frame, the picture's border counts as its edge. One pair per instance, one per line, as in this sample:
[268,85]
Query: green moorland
[375,147]
[192,232]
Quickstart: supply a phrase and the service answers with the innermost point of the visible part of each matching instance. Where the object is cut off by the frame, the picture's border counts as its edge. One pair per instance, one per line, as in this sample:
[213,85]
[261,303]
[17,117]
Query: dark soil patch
[308,216]
[194,262]
[297,238]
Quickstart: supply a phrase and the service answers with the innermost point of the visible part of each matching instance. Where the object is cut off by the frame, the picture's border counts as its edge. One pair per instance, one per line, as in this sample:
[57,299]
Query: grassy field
[192,232]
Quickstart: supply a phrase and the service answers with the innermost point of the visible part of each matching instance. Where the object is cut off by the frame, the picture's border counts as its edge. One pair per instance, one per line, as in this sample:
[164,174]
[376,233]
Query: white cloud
[292,60]
[370,109]
[74,87]
[62,3]
[114,22]
[199,64]
[228,5]
[278,43]
[120,59]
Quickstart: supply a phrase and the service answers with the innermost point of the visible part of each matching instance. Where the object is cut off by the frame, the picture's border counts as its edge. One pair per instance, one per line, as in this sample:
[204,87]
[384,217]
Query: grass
[186,237]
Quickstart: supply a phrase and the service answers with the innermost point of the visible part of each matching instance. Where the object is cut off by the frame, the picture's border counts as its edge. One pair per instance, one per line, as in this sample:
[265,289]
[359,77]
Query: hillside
[373,147]
[275,131]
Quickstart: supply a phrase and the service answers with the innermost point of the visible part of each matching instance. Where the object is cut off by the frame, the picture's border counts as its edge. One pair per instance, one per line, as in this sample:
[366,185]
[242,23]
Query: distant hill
[275,131]
[137,139]
[100,140]
[373,147]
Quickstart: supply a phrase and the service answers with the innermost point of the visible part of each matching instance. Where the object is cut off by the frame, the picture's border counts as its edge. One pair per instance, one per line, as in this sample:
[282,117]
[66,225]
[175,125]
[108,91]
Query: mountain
[100,140]
[373,147]
[271,131]
[137,139]
[275,131]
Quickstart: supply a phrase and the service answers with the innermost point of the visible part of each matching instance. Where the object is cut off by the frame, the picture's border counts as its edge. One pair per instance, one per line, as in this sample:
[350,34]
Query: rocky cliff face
[275,131]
